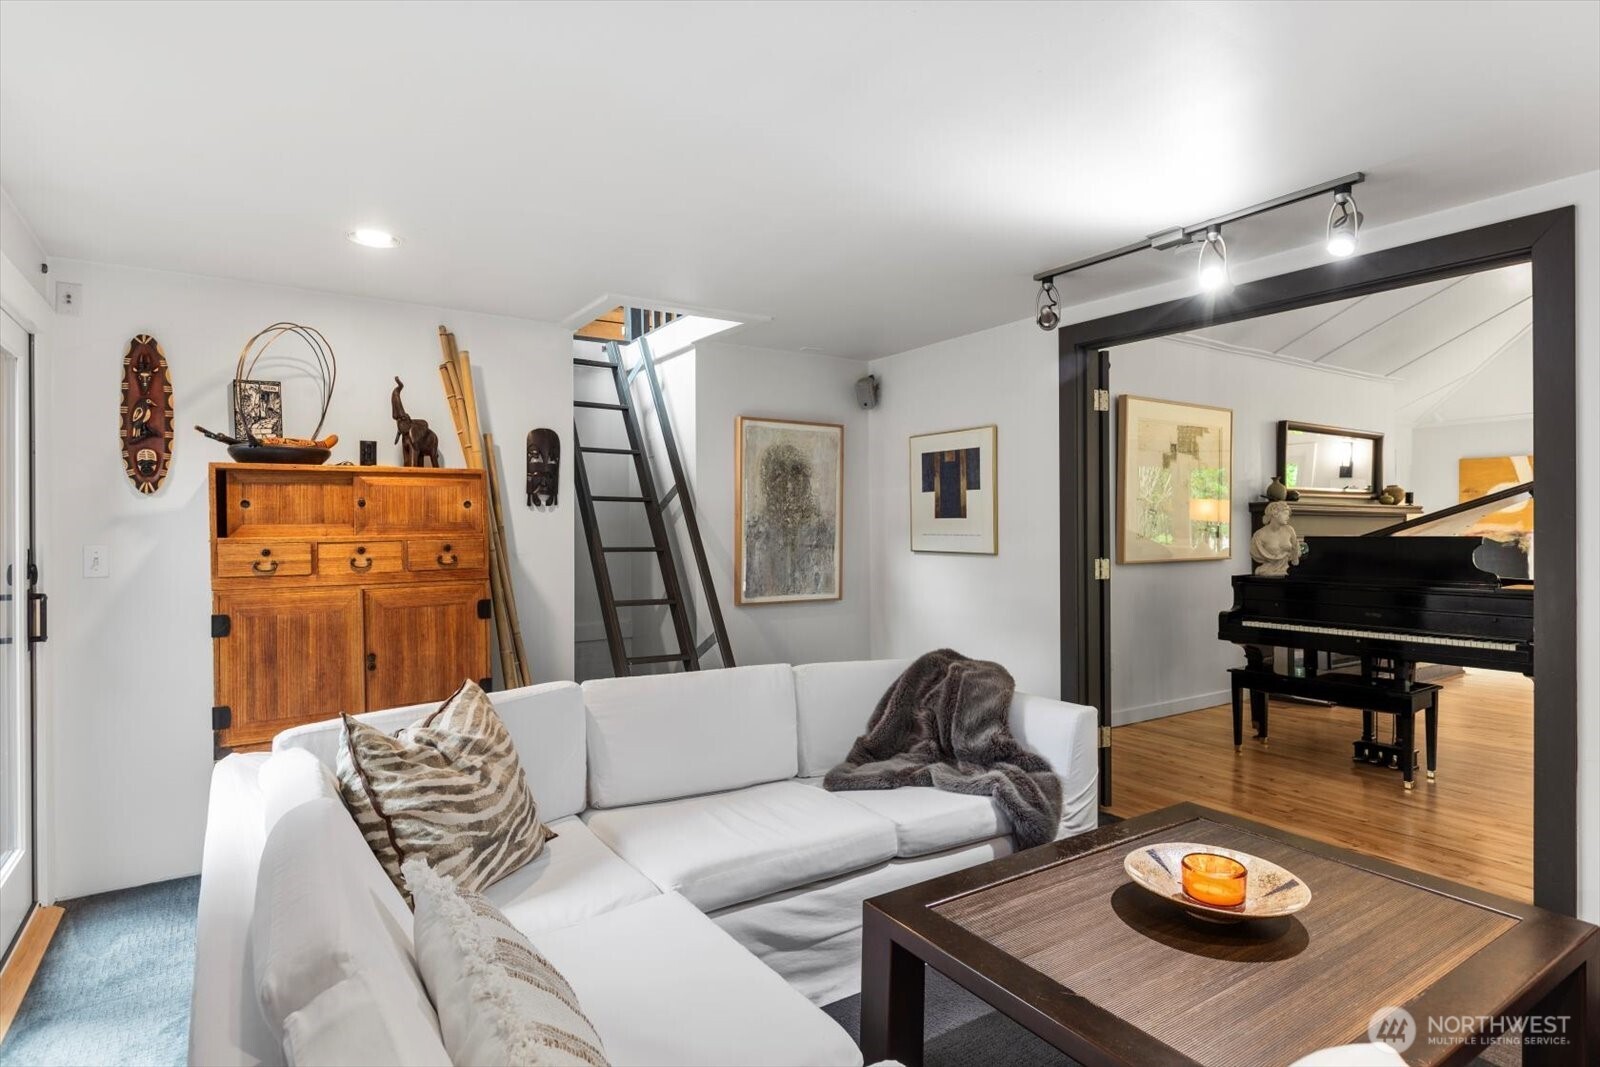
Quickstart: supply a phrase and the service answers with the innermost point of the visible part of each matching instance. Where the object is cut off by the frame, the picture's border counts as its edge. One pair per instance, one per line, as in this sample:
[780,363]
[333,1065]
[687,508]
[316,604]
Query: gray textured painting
[789,504]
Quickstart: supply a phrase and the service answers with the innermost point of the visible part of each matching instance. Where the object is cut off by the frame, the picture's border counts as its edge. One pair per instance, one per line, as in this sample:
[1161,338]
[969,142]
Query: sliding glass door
[16,718]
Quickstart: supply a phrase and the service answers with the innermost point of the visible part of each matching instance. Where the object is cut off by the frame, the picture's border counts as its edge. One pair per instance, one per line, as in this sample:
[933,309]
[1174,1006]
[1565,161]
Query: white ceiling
[1458,350]
[869,177]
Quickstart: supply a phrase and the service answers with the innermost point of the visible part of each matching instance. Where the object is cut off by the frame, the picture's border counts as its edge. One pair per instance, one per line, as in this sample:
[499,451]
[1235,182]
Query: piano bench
[1372,697]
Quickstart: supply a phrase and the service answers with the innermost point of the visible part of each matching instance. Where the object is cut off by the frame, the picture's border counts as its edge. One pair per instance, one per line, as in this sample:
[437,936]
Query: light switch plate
[96,561]
[69,297]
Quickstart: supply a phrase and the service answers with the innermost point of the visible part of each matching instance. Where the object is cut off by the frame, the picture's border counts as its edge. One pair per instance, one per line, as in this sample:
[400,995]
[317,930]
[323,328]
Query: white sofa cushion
[574,878]
[664,986]
[727,848]
[929,820]
[545,723]
[812,935]
[833,702]
[325,911]
[291,778]
[353,1024]
[499,1000]
[657,737]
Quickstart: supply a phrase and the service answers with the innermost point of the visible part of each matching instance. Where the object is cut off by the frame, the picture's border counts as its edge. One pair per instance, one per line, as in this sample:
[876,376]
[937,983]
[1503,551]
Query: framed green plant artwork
[1174,481]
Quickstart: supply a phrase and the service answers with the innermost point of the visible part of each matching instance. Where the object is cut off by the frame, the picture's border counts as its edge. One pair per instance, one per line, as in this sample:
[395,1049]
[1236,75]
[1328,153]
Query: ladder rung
[667,499]
[658,659]
[705,646]
[612,451]
[643,603]
[599,404]
[623,499]
[593,363]
[631,548]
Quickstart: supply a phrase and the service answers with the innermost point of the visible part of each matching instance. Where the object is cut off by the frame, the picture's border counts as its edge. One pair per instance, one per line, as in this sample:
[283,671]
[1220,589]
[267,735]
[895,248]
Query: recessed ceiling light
[370,238]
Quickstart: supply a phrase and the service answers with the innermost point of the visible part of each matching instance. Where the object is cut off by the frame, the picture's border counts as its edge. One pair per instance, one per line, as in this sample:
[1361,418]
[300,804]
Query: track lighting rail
[1162,239]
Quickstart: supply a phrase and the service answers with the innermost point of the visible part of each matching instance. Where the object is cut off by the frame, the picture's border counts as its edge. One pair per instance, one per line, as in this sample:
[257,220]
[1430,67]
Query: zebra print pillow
[448,788]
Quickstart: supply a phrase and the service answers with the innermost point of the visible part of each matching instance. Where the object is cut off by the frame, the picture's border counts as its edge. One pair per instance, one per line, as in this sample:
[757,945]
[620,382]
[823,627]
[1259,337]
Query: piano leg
[1238,715]
[1406,728]
[1431,724]
[1258,713]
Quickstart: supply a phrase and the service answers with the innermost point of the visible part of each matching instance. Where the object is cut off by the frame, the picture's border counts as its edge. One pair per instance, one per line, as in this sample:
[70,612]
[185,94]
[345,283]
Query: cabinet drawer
[257,559]
[447,554]
[398,504]
[345,558]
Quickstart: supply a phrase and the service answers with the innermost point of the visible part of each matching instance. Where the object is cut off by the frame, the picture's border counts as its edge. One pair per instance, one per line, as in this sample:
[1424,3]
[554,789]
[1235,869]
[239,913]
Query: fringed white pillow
[498,1000]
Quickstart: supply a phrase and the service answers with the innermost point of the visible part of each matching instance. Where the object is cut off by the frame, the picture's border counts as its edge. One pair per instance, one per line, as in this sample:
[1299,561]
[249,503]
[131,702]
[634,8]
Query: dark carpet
[962,1031]
[114,985]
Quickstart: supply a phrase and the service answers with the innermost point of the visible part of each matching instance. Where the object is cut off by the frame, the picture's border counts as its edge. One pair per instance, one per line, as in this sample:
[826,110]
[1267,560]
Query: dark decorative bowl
[306,455]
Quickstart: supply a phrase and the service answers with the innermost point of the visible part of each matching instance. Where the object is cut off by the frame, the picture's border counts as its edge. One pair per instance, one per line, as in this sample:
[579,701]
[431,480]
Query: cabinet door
[423,641]
[290,656]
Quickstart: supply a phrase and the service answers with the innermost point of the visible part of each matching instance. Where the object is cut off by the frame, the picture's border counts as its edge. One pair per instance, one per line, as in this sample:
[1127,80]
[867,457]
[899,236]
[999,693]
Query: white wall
[1437,452]
[1005,607]
[19,244]
[1165,658]
[1009,609]
[733,380]
[130,655]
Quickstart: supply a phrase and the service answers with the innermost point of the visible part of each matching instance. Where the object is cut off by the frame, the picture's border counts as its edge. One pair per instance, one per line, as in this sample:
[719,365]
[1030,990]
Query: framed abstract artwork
[788,511]
[954,496]
[1174,481]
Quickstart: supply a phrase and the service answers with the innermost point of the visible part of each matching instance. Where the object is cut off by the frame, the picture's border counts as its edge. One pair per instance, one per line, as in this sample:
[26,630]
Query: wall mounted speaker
[867,391]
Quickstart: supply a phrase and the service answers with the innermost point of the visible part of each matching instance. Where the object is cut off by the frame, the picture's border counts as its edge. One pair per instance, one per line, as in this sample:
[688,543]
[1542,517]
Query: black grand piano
[1424,591]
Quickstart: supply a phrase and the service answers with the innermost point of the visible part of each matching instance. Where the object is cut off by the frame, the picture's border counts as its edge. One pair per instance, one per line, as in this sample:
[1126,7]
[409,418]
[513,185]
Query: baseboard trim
[1161,709]
[23,963]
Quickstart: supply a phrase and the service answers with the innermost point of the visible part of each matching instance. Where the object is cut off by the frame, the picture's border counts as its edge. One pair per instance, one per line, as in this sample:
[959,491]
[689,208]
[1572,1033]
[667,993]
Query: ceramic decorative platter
[1270,890]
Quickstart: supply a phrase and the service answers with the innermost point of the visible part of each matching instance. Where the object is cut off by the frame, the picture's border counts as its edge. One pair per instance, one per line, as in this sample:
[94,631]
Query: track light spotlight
[1049,300]
[1214,262]
[1344,224]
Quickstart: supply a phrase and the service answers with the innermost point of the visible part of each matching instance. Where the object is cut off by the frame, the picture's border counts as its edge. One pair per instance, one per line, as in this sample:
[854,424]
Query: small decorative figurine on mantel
[418,444]
[1276,547]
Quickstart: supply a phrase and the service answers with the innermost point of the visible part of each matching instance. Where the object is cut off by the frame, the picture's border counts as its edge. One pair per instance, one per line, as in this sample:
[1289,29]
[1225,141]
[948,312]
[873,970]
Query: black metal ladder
[689,653]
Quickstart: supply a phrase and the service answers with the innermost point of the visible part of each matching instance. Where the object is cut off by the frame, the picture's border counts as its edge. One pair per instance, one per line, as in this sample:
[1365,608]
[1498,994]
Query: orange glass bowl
[1215,880]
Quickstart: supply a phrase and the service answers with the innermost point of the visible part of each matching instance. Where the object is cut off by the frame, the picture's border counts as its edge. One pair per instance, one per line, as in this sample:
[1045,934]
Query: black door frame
[1547,241]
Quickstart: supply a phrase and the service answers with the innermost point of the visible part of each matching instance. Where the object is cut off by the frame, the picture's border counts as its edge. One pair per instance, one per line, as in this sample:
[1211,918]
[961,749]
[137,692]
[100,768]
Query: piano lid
[1469,519]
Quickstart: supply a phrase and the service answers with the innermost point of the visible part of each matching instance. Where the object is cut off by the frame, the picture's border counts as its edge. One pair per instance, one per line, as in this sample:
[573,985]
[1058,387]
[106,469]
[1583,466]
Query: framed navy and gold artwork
[954,497]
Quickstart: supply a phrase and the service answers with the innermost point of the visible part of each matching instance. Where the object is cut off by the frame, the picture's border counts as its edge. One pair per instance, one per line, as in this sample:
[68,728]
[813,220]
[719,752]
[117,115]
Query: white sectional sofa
[704,892]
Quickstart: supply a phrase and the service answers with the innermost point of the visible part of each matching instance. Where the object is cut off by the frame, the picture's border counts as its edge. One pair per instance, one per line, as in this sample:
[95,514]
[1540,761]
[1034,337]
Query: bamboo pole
[455,373]
[514,624]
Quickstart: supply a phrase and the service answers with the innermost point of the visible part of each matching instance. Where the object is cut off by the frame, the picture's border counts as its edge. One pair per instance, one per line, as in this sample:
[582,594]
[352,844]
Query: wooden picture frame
[1172,505]
[1289,426]
[788,517]
[955,491]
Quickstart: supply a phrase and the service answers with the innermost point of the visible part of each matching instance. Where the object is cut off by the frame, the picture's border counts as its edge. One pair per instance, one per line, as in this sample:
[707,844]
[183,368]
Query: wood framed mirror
[1330,461]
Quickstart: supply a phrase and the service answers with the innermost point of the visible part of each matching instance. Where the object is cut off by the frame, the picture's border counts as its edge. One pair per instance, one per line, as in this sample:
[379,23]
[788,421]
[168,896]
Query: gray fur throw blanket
[945,723]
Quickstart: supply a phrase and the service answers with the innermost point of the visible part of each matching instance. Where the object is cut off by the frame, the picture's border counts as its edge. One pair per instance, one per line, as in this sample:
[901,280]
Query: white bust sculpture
[1275,547]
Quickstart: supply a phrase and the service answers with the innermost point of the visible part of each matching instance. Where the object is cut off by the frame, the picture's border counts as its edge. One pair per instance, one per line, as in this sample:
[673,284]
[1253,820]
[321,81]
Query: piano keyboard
[1381,635]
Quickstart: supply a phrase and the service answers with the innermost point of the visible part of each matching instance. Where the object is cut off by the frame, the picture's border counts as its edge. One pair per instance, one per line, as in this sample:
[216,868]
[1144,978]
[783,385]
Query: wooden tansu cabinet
[342,589]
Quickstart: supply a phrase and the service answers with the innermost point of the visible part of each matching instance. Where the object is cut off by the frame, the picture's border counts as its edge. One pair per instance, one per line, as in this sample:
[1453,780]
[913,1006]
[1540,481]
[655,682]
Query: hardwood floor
[1474,825]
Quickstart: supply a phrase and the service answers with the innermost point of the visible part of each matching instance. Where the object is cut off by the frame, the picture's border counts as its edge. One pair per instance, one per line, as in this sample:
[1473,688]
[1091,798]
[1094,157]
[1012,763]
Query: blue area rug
[114,986]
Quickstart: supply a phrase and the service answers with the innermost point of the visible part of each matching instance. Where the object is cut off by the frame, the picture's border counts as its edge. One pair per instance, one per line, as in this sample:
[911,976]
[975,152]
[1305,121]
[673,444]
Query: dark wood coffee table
[1059,939]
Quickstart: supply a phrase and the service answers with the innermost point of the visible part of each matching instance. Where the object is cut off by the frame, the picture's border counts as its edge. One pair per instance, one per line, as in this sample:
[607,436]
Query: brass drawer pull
[271,567]
[451,562]
[362,565]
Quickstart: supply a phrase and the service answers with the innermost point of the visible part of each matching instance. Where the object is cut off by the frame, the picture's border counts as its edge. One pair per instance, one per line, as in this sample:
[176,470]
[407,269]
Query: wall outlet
[96,561]
[69,297]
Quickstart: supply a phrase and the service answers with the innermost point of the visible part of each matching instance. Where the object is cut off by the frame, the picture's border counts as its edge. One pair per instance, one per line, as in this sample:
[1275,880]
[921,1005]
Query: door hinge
[221,626]
[1105,737]
[486,608]
[1102,400]
[221,717]
[1102,569]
